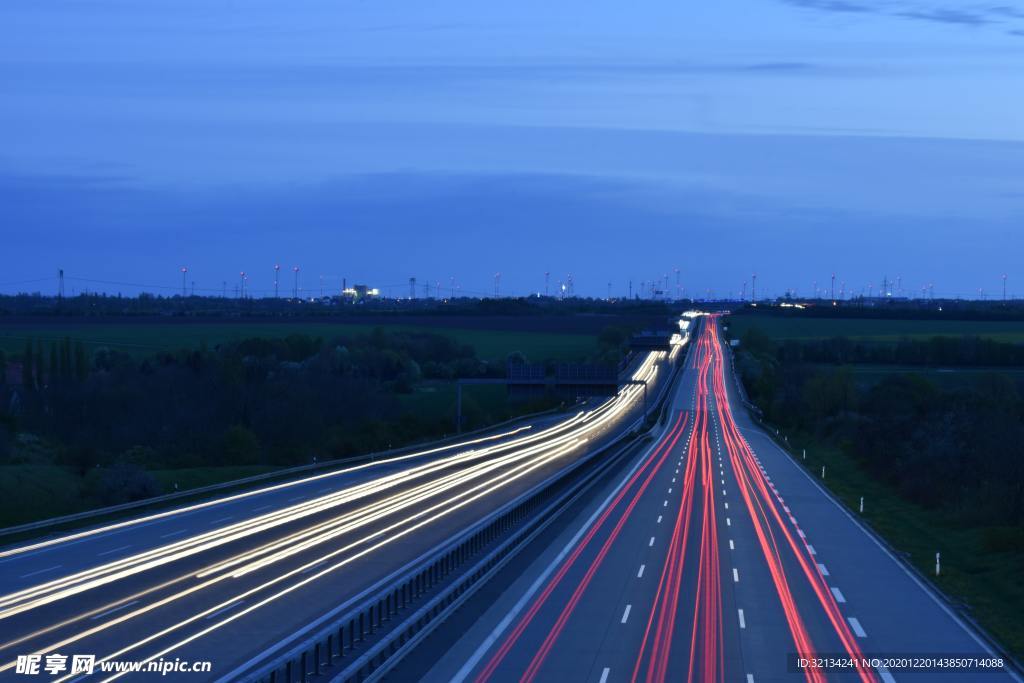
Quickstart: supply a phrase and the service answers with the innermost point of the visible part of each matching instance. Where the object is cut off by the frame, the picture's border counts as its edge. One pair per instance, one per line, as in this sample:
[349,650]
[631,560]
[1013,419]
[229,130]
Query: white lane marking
[222,519]
[731,546]
[604,675]
[928,590]
[111,611]
[640,573]
[113,550]
[41,571]
[822,569]
[326,489]
[723,492]
[651,542]
[750,678]
[839,594]
[723,482]
[735,575]
[625,614]
[665,504]
[857,628]
[670,489]
[743,621]
[786,509]
[262,507]
[673,480]
[292,500]
[659,519]
[507,620]
[726,506]
[792,519]
[886,676]
[312,567]
[801,532]
[179,532]
[225,608]
[728,522]
[811,550]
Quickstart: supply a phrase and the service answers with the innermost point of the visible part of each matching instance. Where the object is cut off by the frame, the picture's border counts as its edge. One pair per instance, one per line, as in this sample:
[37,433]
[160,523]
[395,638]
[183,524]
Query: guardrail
[444,577]
[898,555]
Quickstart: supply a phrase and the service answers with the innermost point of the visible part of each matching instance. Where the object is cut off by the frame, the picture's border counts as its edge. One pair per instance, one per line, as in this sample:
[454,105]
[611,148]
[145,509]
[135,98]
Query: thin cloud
[947,16]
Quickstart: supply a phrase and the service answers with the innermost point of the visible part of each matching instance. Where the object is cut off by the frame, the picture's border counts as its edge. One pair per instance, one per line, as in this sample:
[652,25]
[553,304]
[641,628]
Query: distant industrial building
[360,292]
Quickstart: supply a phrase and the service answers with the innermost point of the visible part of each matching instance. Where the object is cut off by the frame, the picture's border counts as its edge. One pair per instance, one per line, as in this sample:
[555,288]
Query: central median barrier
[364,637]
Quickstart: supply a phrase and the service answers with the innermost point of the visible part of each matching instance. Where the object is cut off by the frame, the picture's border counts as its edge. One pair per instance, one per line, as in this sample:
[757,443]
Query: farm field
[144,338]
[873,329]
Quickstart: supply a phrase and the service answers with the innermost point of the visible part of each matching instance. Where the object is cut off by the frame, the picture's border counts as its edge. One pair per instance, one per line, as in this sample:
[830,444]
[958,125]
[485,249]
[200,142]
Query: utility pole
[631,289]
[184,292]
[321,286]
[295,290]
[412,288]
[678,286]
[497,284]
[833,287]
[60,283]
[609,291]
[547,280]
[753,287]
[277,273]
[242,274]
[1004,288]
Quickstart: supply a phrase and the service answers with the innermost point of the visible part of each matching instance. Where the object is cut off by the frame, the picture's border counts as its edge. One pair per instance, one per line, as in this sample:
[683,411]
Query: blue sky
[381,140]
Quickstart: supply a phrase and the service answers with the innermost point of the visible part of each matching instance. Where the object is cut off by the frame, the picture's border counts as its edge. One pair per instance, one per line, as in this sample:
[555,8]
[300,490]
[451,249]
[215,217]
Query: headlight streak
[239,496]
[446,511]
[85,580]
[583,423]
[193,589]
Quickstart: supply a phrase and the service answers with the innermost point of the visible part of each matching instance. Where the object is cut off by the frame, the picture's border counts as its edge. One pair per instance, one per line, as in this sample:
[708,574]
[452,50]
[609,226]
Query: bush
[122,482]
[240,446]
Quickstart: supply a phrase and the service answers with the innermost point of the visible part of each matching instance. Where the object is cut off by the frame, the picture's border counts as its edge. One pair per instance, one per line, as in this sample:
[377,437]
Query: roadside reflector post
[805,454]
[862,504]
[822,471]
[938,564]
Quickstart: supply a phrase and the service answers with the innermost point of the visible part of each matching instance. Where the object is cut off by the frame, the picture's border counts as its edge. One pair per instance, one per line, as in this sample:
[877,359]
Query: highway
[234,579]
[712,556]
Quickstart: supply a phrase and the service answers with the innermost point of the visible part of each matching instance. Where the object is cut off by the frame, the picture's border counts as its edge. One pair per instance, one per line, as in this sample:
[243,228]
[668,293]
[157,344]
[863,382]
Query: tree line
[112,416]
[959,448]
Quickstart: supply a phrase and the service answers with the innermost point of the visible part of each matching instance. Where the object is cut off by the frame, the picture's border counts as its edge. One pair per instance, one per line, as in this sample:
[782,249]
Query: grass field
[985,579]
[149,337]
[869,375]
[873,329]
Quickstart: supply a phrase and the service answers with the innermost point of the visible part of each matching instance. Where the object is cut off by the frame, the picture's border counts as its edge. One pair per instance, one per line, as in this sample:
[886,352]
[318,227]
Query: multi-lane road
[714,557]
[232,580]
[709,555]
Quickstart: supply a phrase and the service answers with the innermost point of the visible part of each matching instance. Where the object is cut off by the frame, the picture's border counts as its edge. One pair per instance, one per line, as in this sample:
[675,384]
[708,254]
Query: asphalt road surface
[712,557]
[235,579]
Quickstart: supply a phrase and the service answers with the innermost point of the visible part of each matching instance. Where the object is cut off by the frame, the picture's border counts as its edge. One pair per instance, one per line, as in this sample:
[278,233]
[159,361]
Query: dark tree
[27,375]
